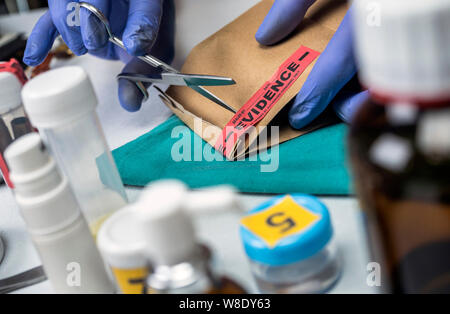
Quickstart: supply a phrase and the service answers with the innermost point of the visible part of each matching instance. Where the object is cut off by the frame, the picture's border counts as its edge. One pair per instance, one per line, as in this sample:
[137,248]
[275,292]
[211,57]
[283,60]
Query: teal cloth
[314,163]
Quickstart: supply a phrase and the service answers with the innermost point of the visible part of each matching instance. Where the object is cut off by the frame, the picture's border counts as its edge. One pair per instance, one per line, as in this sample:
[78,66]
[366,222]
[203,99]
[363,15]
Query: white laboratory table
[196,19]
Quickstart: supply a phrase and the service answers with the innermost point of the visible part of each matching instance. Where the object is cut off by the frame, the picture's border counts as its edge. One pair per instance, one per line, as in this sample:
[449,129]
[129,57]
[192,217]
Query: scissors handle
[154,62]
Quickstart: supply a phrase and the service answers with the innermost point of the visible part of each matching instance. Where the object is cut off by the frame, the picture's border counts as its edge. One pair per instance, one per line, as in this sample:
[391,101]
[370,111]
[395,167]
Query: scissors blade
[22,280]
[202,80]
[179,79]
[212,97]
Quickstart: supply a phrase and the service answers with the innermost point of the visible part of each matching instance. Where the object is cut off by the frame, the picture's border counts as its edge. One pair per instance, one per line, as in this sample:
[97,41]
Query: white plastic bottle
[61,103]
[54,220]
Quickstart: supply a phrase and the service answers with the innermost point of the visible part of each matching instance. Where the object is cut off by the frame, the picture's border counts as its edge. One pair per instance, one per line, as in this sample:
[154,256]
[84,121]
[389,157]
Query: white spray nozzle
[27,155]
[213,200]
[204,201]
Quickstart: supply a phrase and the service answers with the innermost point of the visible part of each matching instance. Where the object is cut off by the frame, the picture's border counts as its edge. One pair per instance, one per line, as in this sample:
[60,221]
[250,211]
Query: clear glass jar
[289,244]
[316,274]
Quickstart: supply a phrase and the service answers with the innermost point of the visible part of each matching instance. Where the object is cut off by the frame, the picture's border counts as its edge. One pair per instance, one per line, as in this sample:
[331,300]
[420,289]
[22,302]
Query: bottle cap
[119,241]
[43,194]
[403,47]
[286,230]
[10,88]
[165,226]
[58,97]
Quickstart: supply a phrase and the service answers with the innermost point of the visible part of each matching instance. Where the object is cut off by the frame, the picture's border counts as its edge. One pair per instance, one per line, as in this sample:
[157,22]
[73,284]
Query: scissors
[166,74]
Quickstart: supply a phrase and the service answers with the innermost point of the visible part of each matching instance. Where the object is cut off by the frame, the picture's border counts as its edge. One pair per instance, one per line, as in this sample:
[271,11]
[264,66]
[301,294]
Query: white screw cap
[58,97]
[10,88]
[403,47]
[119,240]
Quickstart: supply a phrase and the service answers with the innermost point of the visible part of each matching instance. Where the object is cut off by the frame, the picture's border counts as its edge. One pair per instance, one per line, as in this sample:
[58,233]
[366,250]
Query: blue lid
[286,229]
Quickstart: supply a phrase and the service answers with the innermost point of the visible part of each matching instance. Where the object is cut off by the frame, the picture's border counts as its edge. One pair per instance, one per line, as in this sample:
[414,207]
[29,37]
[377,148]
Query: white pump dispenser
[54,220]
[180,263]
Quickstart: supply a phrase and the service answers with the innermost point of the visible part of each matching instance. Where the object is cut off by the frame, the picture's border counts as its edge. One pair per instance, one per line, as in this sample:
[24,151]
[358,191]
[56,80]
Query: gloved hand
[328,82]
[145,26]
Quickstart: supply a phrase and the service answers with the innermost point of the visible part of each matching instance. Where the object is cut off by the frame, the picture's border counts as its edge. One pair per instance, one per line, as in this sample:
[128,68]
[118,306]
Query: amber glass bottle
[405,187]
[399,141]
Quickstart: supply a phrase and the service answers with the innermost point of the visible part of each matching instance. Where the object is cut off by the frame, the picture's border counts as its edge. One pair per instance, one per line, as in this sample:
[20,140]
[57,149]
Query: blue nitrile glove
[335,68]
[145,26]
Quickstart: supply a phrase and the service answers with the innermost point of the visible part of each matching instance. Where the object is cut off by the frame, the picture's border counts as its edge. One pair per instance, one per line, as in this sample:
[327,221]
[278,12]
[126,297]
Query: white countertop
[196,19]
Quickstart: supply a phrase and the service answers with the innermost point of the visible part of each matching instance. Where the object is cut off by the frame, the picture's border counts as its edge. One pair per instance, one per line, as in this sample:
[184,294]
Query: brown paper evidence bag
[234,52]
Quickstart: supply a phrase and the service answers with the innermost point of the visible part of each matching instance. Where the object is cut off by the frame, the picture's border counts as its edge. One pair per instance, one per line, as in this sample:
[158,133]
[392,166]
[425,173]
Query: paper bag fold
[234,52]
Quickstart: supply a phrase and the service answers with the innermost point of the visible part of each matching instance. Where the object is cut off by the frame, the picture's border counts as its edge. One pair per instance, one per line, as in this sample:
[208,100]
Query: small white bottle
[54,220]
[61,103]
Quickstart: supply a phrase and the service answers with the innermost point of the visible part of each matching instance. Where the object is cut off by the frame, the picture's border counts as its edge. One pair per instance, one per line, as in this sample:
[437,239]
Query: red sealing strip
[256,108]
[13,66]
[4,170]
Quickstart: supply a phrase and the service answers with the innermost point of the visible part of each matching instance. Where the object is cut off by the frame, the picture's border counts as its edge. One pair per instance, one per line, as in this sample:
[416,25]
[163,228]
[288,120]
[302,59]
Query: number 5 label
[280,221]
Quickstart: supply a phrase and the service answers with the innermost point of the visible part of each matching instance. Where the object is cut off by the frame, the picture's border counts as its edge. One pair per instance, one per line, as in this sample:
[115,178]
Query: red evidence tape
[256,108]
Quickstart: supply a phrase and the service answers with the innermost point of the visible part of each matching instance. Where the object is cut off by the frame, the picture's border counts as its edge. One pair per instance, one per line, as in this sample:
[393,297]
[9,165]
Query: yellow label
[279,221]
[130,281]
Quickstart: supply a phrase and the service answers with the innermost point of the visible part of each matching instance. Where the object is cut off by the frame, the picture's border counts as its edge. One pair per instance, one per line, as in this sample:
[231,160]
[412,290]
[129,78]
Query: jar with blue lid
[289,242]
